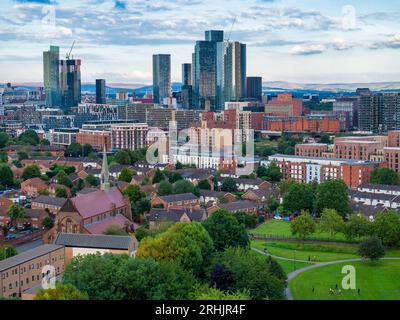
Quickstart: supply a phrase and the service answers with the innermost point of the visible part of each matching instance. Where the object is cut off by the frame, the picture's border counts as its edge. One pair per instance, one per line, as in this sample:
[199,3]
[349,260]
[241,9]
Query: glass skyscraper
[100,91]
[254,88]
[51,74]
[204,70]
[161,77]
[187,89]
[70,83]
[231,72]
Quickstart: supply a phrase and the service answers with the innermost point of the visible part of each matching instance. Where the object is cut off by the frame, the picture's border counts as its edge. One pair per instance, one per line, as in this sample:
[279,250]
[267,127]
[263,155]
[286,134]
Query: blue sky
[298,41]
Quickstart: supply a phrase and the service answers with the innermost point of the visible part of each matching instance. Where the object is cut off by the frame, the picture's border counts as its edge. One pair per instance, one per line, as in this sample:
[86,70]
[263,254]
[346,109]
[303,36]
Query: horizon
[306,42]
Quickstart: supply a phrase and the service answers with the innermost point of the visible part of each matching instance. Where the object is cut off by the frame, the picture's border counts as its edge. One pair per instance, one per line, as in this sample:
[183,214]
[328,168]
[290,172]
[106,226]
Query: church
[94,212]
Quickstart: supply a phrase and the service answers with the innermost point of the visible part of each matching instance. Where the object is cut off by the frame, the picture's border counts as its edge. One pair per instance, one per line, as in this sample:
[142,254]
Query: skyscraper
[51,76]
[100,91]
[161,77]
[70,83]
[186,74]
[254,88]
[187,89]
[231,72]
[204,70]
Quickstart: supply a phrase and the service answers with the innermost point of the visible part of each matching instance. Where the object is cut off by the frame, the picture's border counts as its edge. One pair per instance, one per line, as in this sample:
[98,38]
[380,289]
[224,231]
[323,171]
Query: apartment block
[284,105]
[130,136]
[98,139]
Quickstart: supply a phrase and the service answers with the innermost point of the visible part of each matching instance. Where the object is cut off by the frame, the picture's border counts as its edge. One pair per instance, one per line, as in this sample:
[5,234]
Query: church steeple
[105,174]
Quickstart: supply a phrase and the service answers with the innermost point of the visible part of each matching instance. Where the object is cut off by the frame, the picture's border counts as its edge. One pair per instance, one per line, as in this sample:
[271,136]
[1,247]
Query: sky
[299,41]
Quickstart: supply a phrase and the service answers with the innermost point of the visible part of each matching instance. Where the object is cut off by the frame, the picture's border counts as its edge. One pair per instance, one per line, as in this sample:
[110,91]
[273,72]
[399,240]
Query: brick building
[284,105]
[98,139]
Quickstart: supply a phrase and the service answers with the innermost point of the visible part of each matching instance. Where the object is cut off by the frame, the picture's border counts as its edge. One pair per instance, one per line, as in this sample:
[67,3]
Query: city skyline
[302,41]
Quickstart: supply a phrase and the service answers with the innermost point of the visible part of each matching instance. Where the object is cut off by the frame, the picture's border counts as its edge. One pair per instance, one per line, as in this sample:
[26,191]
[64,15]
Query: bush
[371,248]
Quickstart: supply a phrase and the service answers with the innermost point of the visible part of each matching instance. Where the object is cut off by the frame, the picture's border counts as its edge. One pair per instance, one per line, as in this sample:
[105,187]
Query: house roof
[176,214]
[238,205]
[34,181]
[375,196]
[380,187]
[100,227]
[366,209]
[179,197]
[211,193]
[199,174]
[258,192]
[28,255]
[94,203]
[54,201]
[33,213]
[81,240]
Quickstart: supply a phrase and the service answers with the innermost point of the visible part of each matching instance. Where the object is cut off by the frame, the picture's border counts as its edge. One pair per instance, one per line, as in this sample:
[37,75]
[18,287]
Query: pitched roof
[28,255]
[33,213]
[176,214]
[100,227]
[54,201]
[380,186]
[238,205]
[94,203]
[93,241]
[179,197]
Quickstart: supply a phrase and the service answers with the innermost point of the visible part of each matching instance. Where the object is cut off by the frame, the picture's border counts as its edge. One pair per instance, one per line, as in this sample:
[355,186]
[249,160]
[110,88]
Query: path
[292,274]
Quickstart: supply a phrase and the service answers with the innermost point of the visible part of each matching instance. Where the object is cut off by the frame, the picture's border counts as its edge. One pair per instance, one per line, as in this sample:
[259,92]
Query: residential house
[236,206]
[32,187]
[52,204]
[184,200]
[210,197]
[158,216]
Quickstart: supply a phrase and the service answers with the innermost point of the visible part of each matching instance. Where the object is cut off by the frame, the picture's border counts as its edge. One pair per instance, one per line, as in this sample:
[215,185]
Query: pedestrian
[358,291]
[309,258]
[313,290]
[336,287]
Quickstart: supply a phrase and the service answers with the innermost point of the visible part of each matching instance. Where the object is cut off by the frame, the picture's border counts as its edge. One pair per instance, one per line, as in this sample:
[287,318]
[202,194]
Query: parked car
[11,237]
[278,217]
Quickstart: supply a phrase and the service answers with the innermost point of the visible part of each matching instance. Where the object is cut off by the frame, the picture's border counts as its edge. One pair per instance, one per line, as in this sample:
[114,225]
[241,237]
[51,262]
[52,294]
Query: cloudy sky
[319,41]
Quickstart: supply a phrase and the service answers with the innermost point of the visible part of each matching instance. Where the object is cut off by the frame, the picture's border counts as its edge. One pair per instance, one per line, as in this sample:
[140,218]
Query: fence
[294,239]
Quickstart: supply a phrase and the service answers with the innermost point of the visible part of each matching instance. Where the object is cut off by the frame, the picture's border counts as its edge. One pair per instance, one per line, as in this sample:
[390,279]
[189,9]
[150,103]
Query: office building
[284,105]
[100,91]
[186,98]
[161,77]
[51,76]
[231,72]
[70,82]
[254,88]
[204,71]
[187,74]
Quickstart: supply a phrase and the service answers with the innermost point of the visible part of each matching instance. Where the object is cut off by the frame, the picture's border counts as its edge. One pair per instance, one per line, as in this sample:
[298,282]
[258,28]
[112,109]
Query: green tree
[61,192]
[272,173]
[6,176]
[61,292]
[188,244]
[272,203]
[115,230]
[164,188]
[125,175]
[173,176]
[249,220]
[182,186]
[73,150]
[226,231]
[372,249]
[43,192]
[134,193]
[357,226]
[48,223]
[178,165]
[7,251]
[143,206]
[22,155]
[44,142]
[122,157]
[16,213]
[4,137]
[325,139]
[285,185]
[298,197]
[228,185]
[222,278]
[251,274]
[206,293]
[303,226]
[31,171]
[331,221]
[204,184]
[91,181]
[276,269]
[332,194]
[387,227]
[158,176]
[383,175]
[63,179]
[29,137]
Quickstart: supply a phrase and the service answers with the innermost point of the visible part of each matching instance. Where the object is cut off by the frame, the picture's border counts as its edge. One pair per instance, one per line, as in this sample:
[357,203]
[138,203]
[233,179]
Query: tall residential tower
[161,77]
[51,76]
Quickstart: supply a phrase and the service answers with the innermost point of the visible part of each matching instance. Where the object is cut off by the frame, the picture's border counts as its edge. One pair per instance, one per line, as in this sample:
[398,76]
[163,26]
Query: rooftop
[93,241]
[179,197]
[54,201]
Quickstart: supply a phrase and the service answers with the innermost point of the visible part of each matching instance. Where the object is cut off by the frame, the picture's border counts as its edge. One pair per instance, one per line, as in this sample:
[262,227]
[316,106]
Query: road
[29,245]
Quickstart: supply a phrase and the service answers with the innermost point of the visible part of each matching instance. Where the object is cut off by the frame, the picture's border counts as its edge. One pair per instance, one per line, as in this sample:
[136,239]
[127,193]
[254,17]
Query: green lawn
[302,251]
[282,228]
[377,281]
[288,266]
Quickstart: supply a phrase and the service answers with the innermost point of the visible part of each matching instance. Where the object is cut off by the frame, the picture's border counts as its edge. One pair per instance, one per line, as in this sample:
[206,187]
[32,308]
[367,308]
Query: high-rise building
[187,89]
[161,77]
[204,70]
[51,76]
[254,88]
[70,83]
[100,91]
[231,72]
[186,74]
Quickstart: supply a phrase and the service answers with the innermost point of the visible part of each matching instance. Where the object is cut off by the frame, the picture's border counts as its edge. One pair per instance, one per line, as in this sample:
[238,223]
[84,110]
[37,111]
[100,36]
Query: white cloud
[308,49]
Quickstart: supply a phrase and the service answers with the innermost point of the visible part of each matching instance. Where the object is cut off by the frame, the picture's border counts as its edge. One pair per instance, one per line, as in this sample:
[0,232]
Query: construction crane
[230,32]
[69,53]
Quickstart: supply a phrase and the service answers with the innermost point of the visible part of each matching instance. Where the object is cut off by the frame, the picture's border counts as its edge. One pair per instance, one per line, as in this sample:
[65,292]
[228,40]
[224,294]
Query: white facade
[131,136]
[313,173]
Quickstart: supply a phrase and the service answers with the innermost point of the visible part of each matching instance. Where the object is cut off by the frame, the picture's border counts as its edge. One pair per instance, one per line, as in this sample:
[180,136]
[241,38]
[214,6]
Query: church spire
[105,174]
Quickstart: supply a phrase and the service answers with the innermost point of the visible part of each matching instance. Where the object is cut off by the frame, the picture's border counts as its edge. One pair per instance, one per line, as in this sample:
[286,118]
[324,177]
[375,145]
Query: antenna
[69,53]
[230,32]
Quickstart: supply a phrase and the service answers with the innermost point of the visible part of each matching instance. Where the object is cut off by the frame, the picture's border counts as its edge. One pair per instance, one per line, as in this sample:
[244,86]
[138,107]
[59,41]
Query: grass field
[375,280]
[282,228]
[288,266]
[318,252]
